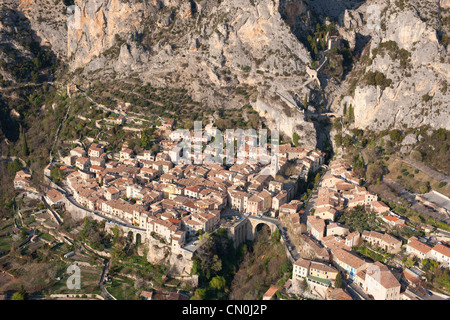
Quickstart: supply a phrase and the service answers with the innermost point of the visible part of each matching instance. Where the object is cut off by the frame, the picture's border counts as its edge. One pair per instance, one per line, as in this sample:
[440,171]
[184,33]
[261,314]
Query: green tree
[17,296]
[410,262]
[56,175]
[146,138]
[116,233]
[441,133]
[196,267]
[351,112]
[424,188]
[338,281]
[25,150]
[374,172]
[358,162]
[14,166]
[295,138]
[416,155]
[34,76]
[199,294]
[20,295]
[277,235]
[218,283]
[317,179]
[395,135]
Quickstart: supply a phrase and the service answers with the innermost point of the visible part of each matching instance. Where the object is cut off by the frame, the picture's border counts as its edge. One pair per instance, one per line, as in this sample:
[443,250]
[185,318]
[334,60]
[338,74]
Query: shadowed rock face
[334,9]
[48,21]
[23,60]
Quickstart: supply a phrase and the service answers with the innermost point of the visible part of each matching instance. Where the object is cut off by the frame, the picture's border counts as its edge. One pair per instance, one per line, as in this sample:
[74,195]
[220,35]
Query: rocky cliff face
[213,47]
[209,47]
[405,48]
[96,25]
[48,20]
[158,253]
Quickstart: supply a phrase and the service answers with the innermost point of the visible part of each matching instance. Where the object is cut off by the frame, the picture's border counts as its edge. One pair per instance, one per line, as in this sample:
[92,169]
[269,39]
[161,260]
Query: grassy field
[47,237]
[123,288]
[141,267]
[412,178]
[60,249]
[90,277]
[5,238]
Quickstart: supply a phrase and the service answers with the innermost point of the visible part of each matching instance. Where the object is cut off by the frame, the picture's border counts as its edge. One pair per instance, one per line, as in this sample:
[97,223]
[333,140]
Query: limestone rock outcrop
[213,47]
[158,253]
[202,40]
[404,47]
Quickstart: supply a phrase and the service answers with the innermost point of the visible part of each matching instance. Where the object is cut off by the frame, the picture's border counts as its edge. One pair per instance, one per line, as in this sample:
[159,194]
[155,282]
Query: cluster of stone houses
[306,159]
[262,194]
[22,180]
[421,250]
[330,242]
[340,189]
[374,278]
[127,190]
[175,201]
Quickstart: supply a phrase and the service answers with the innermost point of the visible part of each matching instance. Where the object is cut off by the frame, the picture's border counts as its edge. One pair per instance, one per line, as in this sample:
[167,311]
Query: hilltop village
[154,198]
[167,201]
[169,205]
[328,251]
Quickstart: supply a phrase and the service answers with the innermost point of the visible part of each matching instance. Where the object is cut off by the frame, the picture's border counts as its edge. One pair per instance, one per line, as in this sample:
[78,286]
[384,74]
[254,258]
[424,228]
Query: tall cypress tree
[338,281]
[25,150]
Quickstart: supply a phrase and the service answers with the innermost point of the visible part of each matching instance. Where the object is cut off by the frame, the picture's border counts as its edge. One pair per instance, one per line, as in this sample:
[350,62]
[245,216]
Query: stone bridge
[255,223]
[247,229]
[133,233]
[241,232]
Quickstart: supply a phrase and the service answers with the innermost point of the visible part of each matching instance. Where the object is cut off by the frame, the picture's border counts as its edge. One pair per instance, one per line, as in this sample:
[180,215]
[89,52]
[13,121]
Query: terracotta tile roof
[339,294]
[442,249]
[411,276]
[302,263]
[54,195]
[271,292]
[381,273]
[82,160]
[381,236]
[322,267]
[348,258]
[147,294]
[419,246]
